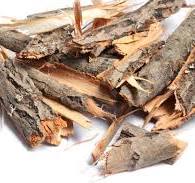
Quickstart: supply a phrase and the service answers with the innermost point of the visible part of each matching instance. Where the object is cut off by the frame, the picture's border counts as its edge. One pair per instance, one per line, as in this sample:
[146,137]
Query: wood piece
[153,11]
[67,113]
[14,40]
[138,53]
[80,82]
[129,130]
[93,66]
[170,59]
[180,94]
[22,101]
[108,136]
[46,44]
[67,95]
[132,153]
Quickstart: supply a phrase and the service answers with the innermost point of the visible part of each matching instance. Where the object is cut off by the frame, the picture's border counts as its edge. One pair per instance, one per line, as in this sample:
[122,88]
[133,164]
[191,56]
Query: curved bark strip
[170,60]
[81,82]
[66,95]
[139,150]
[180,95]
[22,101]
[108,136]
[155,10]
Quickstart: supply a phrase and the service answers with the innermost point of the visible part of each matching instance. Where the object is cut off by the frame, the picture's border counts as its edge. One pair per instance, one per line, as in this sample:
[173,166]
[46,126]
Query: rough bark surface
[170,60]
[177,104]
[13,40]
[129,130]
[97,40]
[120,71]
[93,66]
[22,101]
[146,149]
[66,95]
[46,44]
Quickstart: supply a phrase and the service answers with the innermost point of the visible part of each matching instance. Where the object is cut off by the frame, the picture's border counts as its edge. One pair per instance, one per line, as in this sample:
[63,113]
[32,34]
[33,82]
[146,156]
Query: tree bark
[170,60]
[14,40]
[22,101]
[46,44]
[177,104]
[96,41]
[66,95]
[140,149]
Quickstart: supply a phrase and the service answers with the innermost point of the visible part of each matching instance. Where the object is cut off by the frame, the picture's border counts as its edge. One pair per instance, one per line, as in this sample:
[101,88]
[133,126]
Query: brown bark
[65,94]
[138,54]
[177,104]
[170,60]
[22,101]
[135,152]
[108,136]
[13,40]
[46,44]
[93,66]
[96,41]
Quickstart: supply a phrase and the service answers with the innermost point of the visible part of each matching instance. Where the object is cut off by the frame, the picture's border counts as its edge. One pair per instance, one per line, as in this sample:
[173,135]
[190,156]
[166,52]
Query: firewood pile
[106,61]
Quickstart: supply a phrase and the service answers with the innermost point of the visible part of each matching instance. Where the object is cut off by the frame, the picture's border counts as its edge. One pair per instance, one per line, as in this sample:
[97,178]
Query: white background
[48,164]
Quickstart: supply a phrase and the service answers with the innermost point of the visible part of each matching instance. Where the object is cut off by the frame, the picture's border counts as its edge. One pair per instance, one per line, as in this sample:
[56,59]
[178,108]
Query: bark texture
[140,150]
[170,60]
[177,104]
[14,40]
[46,44]
[118,73]
[22,101]
[96,41]
[93,66]
[66,95]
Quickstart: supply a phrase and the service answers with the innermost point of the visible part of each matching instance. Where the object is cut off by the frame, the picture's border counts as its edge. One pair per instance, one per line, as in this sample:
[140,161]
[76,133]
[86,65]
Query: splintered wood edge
[153,35]
[178,118]
[138,40]
[53,130]
[60,72]
[68,113]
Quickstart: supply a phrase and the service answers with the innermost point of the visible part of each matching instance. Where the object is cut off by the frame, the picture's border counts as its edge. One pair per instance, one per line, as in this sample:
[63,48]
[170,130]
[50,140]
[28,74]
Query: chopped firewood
[141,19]
[180,96]
[169,59]
[139,149]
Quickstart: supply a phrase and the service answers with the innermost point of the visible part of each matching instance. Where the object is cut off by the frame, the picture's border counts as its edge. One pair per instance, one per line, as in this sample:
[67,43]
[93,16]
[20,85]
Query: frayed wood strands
[105,61]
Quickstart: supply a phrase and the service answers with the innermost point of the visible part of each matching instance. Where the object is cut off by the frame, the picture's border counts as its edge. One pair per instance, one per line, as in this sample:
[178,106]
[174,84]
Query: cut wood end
[34,140]
[53,130]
